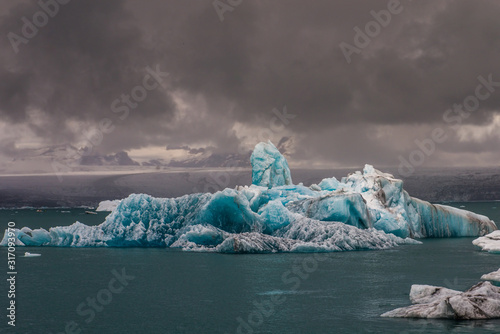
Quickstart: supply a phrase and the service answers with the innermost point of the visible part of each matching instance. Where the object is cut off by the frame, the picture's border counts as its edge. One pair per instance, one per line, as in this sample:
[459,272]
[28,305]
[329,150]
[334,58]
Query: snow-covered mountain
[207,157]
[214,160]
[69,158]
[118,159]
[60,157]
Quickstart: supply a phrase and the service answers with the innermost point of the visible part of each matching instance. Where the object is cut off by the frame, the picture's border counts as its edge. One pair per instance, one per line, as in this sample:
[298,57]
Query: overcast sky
[350,98]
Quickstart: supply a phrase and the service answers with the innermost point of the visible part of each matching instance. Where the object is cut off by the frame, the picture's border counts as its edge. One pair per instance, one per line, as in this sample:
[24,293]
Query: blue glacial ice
[365,210]
[269,166]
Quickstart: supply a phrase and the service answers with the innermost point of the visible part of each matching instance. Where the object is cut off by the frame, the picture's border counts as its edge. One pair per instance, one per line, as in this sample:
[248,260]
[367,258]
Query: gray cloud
[89,54]
[263,55]
[188,149]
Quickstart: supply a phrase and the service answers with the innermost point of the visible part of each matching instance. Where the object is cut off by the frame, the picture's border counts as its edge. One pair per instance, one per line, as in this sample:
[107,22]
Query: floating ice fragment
[493,276]
[489,243]
[482,301]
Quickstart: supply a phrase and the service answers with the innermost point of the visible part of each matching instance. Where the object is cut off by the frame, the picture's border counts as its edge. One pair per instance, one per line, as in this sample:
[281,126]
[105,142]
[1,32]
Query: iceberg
[269,166]
[367,209]
[493,276]
[489,243]
[222,222]
[482,301]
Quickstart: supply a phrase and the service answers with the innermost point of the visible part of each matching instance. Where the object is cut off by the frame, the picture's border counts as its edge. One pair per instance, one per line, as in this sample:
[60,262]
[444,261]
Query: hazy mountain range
[42,160]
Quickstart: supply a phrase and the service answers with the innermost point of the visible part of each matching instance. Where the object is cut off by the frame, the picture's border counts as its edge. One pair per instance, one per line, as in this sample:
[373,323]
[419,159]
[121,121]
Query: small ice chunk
[482,301]
[493,276]
[108,205]
[421,294]
[489,243]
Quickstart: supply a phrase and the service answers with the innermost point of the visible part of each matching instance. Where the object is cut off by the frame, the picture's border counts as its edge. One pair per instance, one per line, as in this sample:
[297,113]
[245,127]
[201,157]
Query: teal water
[179,292]
[50,217]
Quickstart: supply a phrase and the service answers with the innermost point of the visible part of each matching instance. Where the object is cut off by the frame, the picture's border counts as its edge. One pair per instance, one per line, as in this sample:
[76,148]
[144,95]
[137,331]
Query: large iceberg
[222,222]
[482,301]
[365,210]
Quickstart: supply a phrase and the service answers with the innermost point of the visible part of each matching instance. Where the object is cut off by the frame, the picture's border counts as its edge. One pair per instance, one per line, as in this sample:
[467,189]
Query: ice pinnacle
[269,166]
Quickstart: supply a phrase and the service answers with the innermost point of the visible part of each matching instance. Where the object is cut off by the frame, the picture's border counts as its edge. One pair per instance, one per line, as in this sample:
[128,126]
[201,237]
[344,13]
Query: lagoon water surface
[170,291]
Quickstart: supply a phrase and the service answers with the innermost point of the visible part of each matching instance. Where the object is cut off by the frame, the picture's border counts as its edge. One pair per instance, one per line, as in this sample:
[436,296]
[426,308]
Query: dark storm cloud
[275,53]
[265,54]
[83,59]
